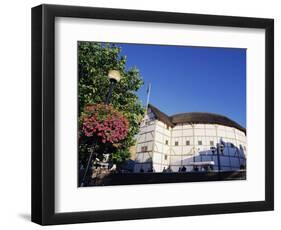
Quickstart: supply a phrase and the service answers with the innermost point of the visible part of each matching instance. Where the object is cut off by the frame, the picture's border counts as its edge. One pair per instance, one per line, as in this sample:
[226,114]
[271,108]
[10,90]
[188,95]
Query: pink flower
[105,122]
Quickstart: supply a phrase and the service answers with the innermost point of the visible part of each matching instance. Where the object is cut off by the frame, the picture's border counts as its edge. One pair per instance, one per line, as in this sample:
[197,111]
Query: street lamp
[220,148]
[114,77]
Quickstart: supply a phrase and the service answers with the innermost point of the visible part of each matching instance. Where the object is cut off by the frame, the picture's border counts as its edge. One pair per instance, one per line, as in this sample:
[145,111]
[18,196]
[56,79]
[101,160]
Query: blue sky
[192,79]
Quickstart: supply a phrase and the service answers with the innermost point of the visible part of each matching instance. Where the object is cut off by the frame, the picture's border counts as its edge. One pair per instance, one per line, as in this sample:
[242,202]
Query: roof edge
[168,120]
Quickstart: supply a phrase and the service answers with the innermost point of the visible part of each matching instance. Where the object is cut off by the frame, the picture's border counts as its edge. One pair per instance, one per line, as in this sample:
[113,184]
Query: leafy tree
[94,62]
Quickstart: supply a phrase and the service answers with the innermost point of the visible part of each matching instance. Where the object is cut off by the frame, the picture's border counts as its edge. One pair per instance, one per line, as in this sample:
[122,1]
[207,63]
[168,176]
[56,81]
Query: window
[166,142]
[166,157]
[199,142]
[187,142]
[149,122]
[176,143]
[212,143]
[144,148]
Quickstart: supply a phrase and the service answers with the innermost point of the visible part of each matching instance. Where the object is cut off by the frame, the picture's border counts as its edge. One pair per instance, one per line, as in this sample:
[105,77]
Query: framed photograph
[142,114]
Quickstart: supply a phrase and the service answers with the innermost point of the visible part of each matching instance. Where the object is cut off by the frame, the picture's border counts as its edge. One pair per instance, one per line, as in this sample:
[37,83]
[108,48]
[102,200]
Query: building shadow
[25,216]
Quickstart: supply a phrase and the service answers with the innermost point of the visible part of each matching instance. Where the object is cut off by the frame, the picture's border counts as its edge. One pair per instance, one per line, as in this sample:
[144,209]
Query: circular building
[189,142]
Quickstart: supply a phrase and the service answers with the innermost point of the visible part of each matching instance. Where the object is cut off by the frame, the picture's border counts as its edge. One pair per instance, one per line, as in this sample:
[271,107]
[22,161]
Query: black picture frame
[43,114]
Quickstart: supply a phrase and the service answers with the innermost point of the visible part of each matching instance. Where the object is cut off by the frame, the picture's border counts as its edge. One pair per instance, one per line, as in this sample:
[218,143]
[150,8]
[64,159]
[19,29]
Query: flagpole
[148,96]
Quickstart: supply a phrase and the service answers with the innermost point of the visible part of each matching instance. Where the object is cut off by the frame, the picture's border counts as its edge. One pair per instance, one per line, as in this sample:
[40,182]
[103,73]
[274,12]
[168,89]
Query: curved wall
[160,147]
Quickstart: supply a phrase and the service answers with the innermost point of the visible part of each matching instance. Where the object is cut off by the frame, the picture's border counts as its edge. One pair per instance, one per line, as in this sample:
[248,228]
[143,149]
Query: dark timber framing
[43,110]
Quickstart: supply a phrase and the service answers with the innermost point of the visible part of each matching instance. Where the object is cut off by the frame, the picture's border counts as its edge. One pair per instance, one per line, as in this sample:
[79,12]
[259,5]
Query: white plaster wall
[164,155]
[145,138]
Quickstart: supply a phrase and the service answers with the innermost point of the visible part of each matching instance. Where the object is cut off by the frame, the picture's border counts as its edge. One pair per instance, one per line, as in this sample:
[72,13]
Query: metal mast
[148,96]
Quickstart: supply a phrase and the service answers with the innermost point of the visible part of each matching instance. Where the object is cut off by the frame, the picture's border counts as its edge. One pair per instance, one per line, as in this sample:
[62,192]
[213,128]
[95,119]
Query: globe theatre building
[189,142]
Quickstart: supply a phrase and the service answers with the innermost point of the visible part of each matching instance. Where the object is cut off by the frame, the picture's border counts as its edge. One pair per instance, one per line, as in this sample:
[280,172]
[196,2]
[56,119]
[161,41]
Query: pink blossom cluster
[105,122]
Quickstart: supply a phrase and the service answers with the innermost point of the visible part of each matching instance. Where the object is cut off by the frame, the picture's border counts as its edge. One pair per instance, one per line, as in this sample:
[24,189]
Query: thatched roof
[195,118]
[161,116]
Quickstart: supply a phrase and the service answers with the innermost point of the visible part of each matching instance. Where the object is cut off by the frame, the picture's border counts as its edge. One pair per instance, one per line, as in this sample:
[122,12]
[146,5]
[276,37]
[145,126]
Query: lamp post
[218,157]
[114,77]
[220,148]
